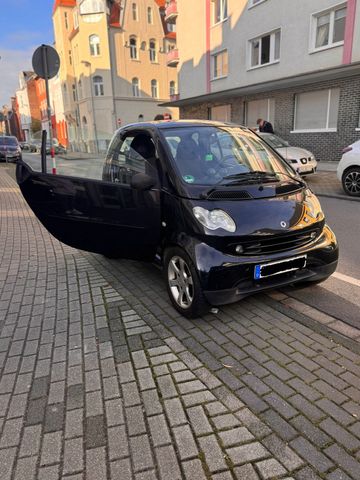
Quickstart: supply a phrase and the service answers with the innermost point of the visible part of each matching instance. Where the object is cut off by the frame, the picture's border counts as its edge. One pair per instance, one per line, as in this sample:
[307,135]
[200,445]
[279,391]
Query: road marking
[347,279]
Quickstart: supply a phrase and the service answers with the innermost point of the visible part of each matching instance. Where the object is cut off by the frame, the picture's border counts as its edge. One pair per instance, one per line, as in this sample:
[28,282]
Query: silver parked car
[301,160]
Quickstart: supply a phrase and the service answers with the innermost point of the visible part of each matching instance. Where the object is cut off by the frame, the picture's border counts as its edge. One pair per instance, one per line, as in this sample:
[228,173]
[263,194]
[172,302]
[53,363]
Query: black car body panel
[275,220]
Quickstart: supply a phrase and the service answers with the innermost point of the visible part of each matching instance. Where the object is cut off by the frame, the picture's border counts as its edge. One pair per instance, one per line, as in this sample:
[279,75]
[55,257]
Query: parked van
[222,210]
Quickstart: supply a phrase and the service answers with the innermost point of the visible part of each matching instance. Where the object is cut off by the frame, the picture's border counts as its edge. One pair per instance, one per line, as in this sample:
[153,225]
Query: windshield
[8,141]
[275,141]
[207,155]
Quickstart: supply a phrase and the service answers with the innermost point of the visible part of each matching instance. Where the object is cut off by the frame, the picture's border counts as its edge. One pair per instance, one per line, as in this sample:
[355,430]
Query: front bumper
[308,168]
[226,278]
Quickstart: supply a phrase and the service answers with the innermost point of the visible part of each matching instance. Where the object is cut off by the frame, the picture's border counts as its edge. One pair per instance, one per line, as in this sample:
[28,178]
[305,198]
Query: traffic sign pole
[45,63]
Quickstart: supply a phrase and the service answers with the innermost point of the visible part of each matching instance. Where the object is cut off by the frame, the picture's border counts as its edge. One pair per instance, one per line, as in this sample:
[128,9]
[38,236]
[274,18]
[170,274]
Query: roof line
[333,73]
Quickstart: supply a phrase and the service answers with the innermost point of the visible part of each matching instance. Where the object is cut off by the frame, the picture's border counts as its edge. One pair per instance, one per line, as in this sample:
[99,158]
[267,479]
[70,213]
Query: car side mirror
[142,181]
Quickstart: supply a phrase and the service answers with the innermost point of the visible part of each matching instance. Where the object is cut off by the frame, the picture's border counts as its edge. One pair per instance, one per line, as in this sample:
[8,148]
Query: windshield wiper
[257,176]
[254,173]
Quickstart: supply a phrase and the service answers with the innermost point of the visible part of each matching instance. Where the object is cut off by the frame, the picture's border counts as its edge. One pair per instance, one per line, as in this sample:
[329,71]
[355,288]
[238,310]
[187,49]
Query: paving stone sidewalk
[101,379]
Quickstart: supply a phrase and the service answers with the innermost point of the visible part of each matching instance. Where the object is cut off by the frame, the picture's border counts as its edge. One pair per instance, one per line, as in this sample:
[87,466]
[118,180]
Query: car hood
[9,148]
[294,153]
[268,216]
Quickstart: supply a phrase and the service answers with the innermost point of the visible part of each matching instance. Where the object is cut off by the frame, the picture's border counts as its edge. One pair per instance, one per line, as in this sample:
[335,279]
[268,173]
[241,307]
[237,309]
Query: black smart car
[224,212]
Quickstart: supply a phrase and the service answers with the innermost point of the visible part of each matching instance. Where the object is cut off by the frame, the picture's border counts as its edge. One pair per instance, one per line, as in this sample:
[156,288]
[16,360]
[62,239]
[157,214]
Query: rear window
[12,141]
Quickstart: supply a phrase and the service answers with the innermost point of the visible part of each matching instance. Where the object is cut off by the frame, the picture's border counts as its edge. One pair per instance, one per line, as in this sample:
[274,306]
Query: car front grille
[229,195]
[262,245]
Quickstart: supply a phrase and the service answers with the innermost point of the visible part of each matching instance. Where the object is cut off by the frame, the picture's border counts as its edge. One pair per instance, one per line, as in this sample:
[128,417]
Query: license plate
[281,266]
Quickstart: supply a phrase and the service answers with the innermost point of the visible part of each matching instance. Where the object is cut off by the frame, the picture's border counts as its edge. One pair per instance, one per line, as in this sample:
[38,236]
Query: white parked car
[300,159]
[348,170]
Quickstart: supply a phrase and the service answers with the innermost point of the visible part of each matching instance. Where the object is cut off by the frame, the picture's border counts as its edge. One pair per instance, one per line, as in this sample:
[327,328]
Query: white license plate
[270,269]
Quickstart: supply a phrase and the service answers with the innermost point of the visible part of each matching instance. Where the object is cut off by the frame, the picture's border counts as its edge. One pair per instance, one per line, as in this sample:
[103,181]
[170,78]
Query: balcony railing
[175,97]
[171,12]
[172,57]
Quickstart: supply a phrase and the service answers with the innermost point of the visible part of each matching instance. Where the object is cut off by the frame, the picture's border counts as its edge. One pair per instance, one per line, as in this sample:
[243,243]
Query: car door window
[129,156]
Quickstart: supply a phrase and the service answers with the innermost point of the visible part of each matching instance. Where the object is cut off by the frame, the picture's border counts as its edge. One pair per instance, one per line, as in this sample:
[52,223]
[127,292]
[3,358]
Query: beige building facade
[114,67]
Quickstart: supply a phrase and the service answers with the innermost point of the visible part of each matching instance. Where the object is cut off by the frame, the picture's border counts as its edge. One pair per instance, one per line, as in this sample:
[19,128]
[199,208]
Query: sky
[24,25]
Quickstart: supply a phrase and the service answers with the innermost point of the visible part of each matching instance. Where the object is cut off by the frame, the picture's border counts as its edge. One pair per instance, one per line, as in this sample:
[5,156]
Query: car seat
[188,157]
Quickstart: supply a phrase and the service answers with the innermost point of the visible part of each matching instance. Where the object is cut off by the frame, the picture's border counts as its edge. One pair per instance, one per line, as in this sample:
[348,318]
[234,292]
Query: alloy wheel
[352,182]
[181,282]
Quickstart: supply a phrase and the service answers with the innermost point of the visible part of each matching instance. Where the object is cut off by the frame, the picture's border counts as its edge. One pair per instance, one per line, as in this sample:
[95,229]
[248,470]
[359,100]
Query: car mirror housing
[142,181]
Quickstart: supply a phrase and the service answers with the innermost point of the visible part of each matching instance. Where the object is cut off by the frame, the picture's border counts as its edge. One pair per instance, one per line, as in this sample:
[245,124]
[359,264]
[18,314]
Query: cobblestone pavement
[100,378]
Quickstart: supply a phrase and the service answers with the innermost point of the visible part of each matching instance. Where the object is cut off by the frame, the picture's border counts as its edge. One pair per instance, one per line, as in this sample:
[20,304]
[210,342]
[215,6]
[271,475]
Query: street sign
[46,61]
[46,64]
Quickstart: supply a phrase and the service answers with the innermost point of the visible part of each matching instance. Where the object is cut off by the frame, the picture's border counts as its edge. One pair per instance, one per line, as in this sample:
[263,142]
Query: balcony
[172,57]
[171,12]
[175,97]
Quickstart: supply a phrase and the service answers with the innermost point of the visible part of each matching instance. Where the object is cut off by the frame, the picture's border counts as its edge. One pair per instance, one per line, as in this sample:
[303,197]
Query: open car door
[116,214]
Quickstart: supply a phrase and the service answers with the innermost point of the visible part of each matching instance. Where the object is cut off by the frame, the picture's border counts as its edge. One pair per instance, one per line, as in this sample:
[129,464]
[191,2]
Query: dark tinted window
[12,141]
[130,155]
[205,155]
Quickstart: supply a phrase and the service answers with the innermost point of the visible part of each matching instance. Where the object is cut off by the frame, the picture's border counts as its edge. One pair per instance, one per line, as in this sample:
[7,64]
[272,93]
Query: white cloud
[12,62]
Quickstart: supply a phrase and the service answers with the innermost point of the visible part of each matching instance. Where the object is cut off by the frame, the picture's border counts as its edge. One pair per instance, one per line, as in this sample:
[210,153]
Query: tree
[35,125]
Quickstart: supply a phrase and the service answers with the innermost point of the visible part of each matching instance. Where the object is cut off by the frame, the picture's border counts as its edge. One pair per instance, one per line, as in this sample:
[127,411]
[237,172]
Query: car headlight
[214,219]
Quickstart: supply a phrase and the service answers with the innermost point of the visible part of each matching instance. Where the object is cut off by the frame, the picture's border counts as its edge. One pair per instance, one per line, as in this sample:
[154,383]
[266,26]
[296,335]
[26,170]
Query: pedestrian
[159,116]
[264,126]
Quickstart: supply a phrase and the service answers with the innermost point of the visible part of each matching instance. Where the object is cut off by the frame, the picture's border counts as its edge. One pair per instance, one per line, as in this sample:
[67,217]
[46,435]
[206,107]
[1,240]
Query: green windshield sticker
[189,178]
[209,157]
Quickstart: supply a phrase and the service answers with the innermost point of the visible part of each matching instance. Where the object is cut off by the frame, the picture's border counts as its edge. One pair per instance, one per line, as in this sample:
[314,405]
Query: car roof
[165,124]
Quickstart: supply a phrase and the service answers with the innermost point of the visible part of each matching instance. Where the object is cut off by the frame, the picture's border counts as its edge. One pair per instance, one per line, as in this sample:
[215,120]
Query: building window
[220,64]
[264,108]
[94,42]
[172,89]
[152,51]
[265,50]
[85,129]
[150,15]
[98,86]
[133,48]
[154,89]
[171,27]
[329,28]
[317,111]
[91,6]
[66,20]
[76,19]
[74,92]
[135,87]
[80,91]
[135,12]
[70,57]
[220,11]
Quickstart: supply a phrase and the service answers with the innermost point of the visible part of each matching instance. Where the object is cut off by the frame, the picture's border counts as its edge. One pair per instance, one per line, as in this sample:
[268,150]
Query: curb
[334,329]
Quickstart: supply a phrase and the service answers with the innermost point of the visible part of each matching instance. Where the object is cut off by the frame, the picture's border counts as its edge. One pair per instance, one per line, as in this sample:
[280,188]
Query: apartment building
[28,103]
[295,63]
[114,67]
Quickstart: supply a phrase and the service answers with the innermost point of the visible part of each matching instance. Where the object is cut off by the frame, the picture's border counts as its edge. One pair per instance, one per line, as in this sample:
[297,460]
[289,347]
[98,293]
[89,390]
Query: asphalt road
[339,296]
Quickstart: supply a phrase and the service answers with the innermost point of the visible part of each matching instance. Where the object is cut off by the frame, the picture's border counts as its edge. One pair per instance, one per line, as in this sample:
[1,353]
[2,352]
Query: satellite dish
[46,62]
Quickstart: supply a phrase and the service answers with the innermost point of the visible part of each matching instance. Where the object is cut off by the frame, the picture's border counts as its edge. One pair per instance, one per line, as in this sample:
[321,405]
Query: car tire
[183,284]
[351,181]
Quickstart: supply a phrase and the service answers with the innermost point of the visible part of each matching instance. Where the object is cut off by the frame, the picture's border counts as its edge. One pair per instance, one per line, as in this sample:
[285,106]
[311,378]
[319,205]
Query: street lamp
[88,64]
